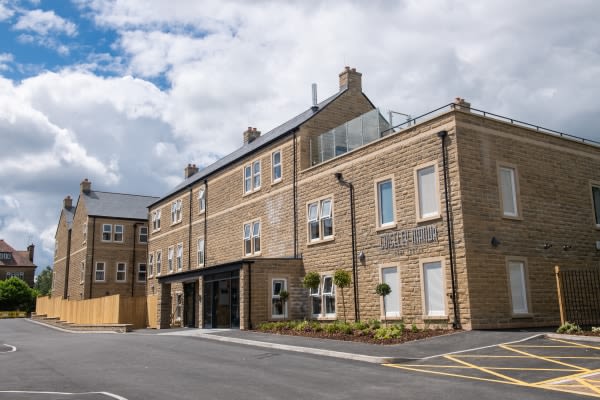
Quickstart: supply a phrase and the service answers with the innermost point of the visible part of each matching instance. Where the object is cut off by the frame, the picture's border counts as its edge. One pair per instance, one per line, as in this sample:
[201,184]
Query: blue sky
[128,92]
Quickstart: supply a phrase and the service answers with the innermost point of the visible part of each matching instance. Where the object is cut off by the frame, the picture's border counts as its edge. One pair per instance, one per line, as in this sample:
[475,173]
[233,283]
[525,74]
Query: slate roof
[261,141]
[69,214]
[117,205]
[19,258]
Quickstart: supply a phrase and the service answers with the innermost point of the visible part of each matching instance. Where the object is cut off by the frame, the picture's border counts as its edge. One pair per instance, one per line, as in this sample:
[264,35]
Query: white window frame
[200,253]
[379,209]
[103,271]
[106,231]
[398,293]
[156,220]
[522,286]
[158,261]
[139,272]
[275,297]
[150,265]
[119,271]
[84,232]
[82,272]
[319,219]
[252,176]
[170,261]
[122,233]
[176,212]
[420,195]
[595,206]
[514,191]
[142,234]
[427,314]
[179,257]
[202,200]
[251,233]
[322,295]
[276,166]
[247,175]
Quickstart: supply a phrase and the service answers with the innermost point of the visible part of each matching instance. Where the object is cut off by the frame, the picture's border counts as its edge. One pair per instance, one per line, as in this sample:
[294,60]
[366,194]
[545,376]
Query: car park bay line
[576,344]
[575,367]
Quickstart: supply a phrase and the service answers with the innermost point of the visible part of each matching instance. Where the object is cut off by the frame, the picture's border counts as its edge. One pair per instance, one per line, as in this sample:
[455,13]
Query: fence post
[561,302]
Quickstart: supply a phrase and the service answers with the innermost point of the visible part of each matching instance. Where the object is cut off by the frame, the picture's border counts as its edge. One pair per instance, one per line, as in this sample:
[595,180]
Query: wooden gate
[579,295]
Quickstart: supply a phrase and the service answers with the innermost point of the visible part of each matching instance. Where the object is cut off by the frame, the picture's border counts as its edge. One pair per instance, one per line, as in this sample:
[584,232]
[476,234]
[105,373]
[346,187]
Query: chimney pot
[190,170]
[251,135]
[462,104]
[350,79]
[30,250]
[68,202]
[86,186]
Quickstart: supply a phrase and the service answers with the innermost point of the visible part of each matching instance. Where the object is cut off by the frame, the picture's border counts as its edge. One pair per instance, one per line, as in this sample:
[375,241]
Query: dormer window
[5,256]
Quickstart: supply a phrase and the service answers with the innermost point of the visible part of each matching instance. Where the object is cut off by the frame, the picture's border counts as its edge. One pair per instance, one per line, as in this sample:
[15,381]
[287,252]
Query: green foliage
[311,280]
[569,328]
[392,332]
[43,284]
[414,328]
[596,329]
[15,294]
[383,289]
[341,279]
[284,295]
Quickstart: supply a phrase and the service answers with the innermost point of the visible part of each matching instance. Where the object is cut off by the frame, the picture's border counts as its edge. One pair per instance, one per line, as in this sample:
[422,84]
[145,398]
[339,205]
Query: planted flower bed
[367,332]
[574,329]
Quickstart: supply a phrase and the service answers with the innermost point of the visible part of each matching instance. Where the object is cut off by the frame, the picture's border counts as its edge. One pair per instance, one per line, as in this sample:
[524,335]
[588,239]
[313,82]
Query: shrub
[596,329]
[414,328]
[568,328]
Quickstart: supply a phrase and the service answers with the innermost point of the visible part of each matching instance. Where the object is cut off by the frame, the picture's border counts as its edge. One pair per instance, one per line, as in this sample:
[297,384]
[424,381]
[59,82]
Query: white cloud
[5,60]
[5,12]
[45,22]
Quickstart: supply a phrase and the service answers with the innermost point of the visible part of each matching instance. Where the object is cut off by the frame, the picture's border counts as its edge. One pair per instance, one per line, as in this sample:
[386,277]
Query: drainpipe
[338,176]
[133,261]
[205,221]
[92,266]
[455,323]
[68,264]
[190,233]
[295,194]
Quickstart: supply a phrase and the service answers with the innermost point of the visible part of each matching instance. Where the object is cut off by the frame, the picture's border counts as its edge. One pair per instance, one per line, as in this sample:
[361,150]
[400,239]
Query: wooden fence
[103,310]
[152,313]
[579,295]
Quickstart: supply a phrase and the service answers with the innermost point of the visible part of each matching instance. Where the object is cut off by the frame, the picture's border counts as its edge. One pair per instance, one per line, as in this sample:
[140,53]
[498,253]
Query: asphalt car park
[544,363]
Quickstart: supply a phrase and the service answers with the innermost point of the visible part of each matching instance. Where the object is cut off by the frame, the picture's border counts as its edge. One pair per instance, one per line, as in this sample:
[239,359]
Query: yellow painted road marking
[543,358]
[454,375]
[582,358]
[434,366]
[587,346]
[484,356]
[508,378]
[588,385]
[540,346]
[563,378]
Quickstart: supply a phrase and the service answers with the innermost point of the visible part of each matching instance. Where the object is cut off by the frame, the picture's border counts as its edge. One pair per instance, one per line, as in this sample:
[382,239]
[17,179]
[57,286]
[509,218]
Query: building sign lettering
[406,240]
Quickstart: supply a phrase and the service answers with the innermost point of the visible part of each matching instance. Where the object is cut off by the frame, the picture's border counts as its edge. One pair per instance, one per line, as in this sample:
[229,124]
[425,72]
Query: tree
[342,280]
[16,295]
[311,281]
[383,289]
[283,296]
[44,282]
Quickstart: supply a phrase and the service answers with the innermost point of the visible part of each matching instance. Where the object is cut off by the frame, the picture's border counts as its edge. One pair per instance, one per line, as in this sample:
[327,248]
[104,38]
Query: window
[179,257]
[55,249]
[53,280]
[323,298]
[170,259]
[320,221]
[150,264]
[433,288]
[596,203]
[176,211]
[202,200]
[141,272]
[20,275]
[278,307]
[508,191]
[385,203]
[143,234]
[84,232]
[106,232]
[276,166]
[252,177]
[121,272]
[518,287]
[200,252]
[428,203]
[99,273]
[391,302]
[252,238]
[82,272]
[119,233]
[158,262]
[7,256]
[156,220]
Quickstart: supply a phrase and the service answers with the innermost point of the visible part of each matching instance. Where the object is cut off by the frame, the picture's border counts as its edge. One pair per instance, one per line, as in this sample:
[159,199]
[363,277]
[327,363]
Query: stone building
[101,245]
[17,263]
[464,215]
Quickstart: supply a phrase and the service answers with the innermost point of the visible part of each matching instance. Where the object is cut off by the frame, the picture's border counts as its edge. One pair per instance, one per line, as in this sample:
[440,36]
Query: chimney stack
[462,104]
[315,106]
[30,250]
[86,186]
[251,135]
[68,202]
[350,79]
[190,170]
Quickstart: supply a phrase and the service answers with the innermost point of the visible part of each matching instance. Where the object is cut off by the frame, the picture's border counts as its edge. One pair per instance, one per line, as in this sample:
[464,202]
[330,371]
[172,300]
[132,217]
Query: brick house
[464,216]
[17,263]
[101,245]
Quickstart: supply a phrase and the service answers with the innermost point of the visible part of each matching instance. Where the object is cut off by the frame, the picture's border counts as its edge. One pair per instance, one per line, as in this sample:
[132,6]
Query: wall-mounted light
[361,256]
[567,247]
[495,242]
[547,245]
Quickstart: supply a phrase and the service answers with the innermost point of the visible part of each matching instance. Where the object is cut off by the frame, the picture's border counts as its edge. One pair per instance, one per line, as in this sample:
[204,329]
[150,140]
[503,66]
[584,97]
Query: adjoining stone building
[17,263]
[101,245]
[464,215]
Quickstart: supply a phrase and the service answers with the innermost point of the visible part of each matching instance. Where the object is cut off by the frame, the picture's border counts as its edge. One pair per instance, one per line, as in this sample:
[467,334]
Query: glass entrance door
[221,300]
[189,304]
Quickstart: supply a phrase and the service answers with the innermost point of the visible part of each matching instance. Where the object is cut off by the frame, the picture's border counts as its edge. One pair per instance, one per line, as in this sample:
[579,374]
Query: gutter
[133,261]
[92,266]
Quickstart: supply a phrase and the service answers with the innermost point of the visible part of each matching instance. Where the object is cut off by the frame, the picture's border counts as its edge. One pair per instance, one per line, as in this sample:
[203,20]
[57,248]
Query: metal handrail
[513,121]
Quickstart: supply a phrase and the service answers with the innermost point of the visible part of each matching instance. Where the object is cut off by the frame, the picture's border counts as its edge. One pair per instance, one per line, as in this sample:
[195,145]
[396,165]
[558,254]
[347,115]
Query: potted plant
[342,280]
[383,289]
[283,296]
[311,281]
